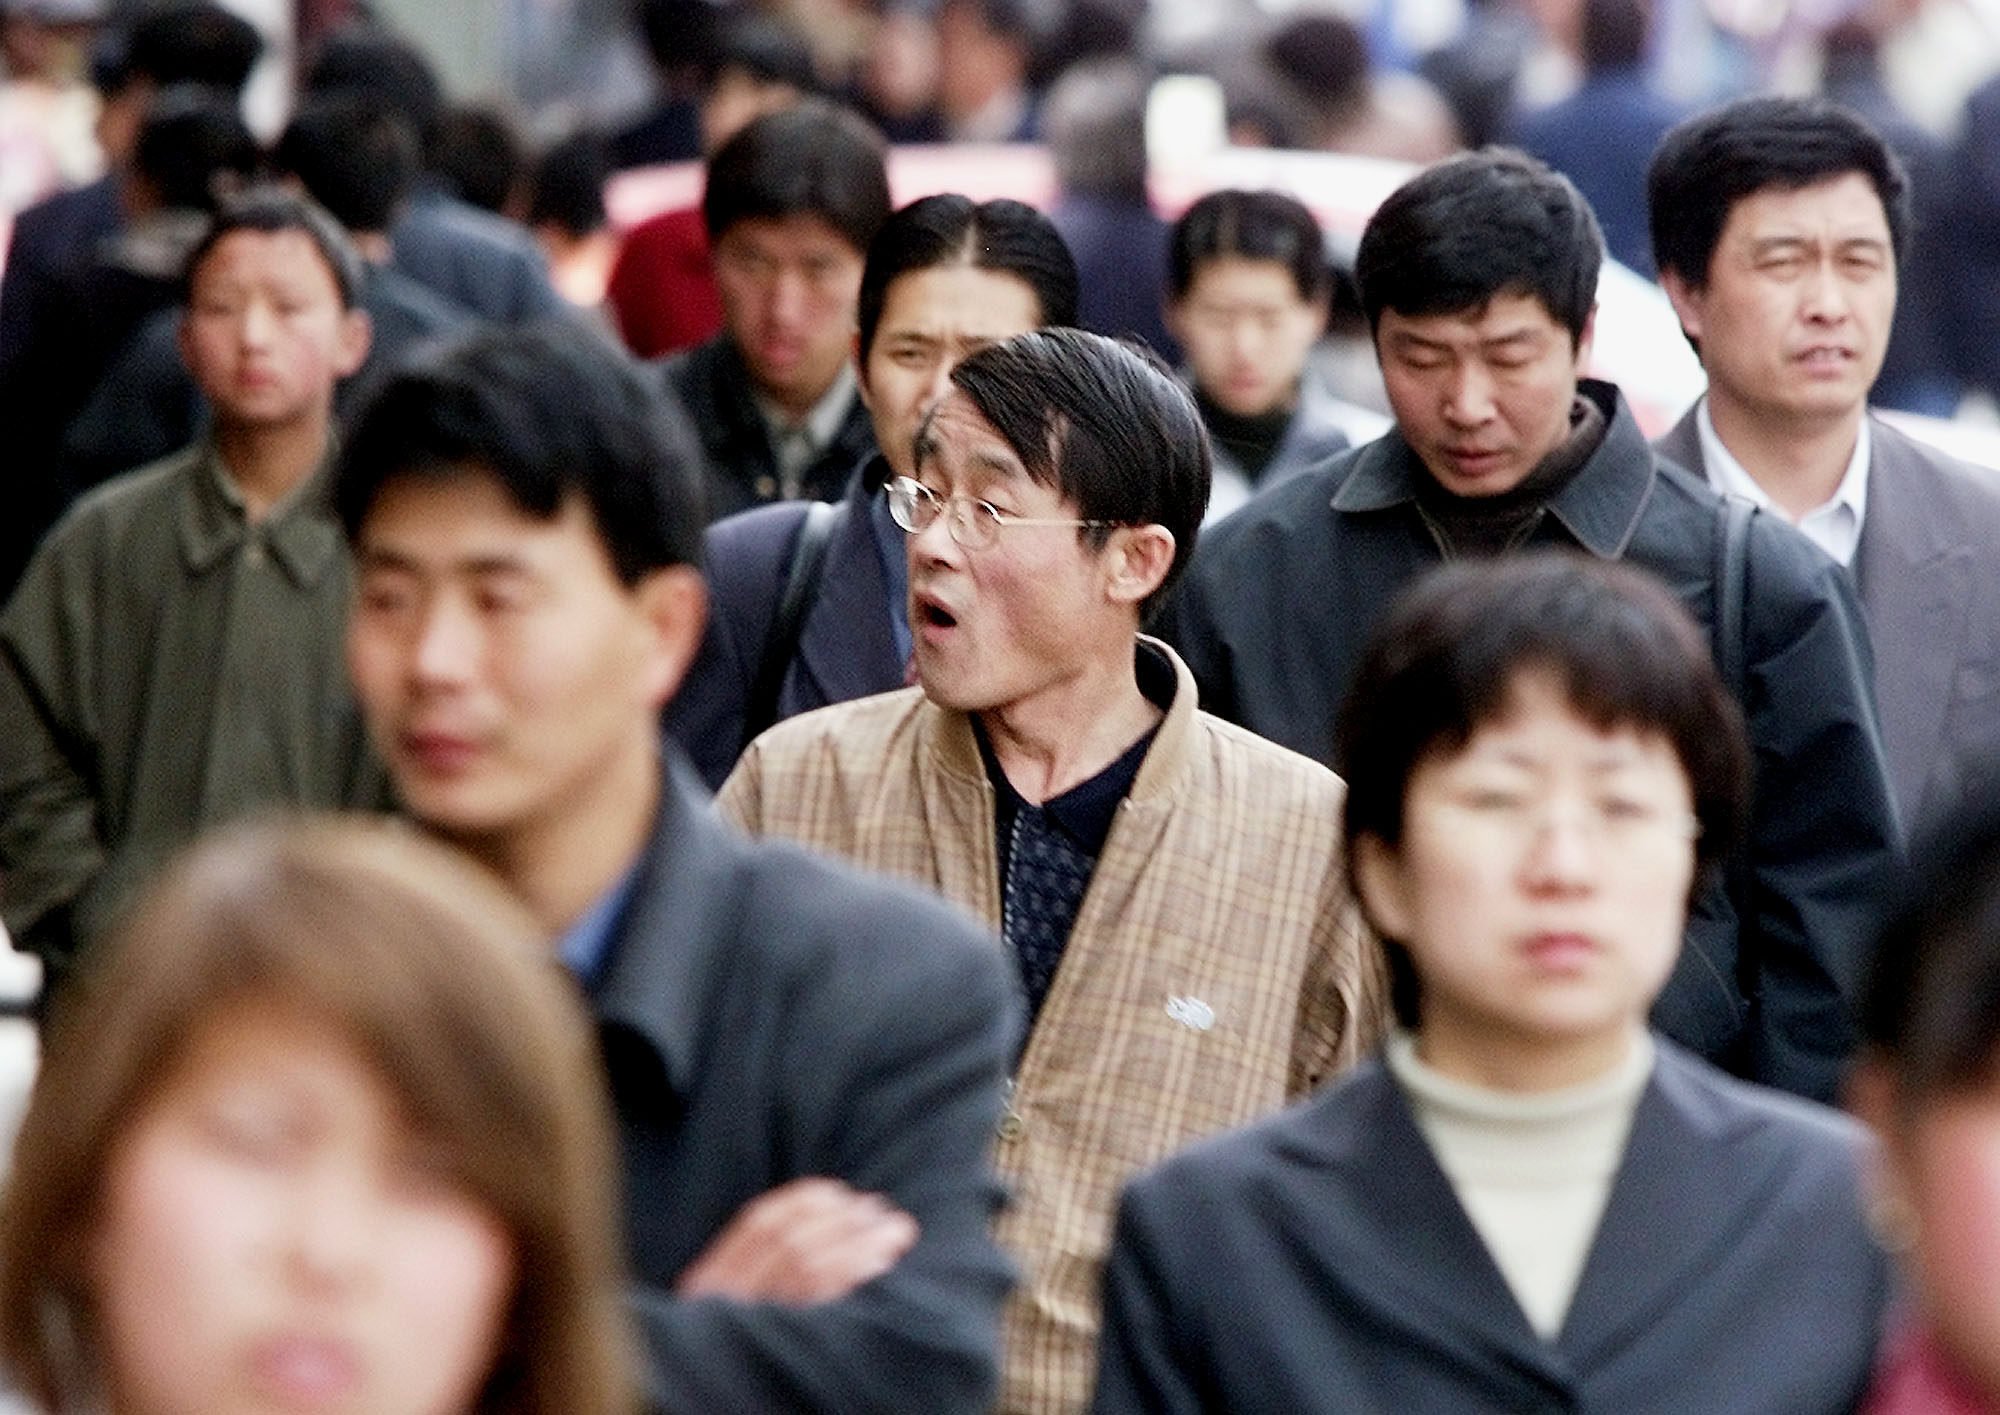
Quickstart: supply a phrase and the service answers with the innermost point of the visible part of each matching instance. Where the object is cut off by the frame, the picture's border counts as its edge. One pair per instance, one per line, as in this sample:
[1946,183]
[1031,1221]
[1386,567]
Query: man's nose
[447,644]
[1469,395]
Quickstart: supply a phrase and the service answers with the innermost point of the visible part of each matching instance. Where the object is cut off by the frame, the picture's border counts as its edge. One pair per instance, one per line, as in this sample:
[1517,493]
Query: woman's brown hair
[439,980]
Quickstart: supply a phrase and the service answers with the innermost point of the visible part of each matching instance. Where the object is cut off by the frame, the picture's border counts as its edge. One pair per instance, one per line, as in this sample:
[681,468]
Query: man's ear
[357,334]
[1686,300]
[673,602]
[1141,556]
[1586,341]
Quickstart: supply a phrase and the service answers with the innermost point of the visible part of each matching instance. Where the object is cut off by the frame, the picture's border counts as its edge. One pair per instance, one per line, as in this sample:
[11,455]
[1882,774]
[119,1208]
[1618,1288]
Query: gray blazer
[1928,570]
[1320,1261]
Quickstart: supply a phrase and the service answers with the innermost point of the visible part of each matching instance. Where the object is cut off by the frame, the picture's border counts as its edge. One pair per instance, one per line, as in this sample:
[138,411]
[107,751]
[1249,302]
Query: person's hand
[811,1240]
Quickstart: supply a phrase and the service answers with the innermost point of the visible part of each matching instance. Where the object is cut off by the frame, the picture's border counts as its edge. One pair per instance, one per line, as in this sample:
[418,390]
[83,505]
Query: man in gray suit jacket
[1777,224]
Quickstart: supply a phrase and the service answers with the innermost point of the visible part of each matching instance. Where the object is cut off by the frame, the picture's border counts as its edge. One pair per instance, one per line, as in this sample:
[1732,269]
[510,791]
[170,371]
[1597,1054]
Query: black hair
[1613,34]
[194,146]
[1011,18]
[1255,226]
[1102,421]
[1487,223]
[550,412]
[1715,159]
[769,51]
[480,156]
[566,188]
[812,159]
[681,35]
[1930,1004]
[1008,237]
[271,210]
[1323,59]
[1447,658]
[197,43]
[354,154]
[369,59]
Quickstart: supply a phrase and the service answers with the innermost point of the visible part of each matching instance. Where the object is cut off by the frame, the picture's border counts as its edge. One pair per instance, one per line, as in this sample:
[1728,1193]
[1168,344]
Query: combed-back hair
[1930,1008]
[435,977]
[1102,421]
[1487,223]
[273,209]
[1004,236]
[1448,657]
[552,412]
[812,159]
[1716,158]
[1253,226]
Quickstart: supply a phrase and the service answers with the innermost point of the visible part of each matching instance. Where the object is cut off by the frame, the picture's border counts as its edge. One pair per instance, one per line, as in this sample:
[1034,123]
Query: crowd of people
[1084,873]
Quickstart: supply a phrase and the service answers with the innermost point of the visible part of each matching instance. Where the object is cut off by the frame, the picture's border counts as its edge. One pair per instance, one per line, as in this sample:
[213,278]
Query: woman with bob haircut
[1530,1201]
[321,1127]
[1928,1083]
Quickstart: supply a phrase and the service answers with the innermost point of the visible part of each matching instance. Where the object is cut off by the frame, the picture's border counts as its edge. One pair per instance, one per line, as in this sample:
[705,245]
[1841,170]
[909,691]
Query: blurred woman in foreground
[1531,1202]
[320,1129]
[1929,1083]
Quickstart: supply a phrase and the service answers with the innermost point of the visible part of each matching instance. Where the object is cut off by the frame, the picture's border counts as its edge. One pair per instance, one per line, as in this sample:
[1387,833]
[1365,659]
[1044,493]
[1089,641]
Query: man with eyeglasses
[1167,886]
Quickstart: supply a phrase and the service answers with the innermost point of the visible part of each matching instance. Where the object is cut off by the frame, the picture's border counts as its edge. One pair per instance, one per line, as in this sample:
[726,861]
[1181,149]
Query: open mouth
[935,616]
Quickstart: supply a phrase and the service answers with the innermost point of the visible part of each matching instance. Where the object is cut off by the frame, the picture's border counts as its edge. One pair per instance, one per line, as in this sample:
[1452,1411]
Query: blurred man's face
[1483,395]
[511,680]
[789,289]
[1794,317]
[265,333]
[1247,331]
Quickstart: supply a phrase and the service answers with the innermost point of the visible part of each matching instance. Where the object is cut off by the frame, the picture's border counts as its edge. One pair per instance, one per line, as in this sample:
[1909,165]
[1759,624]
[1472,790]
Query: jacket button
[1011,1127]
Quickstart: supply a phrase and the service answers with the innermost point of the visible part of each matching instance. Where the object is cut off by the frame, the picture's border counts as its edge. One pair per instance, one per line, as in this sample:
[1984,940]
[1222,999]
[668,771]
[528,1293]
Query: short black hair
[196,43]
[566,187]
[1004,236]
[356,156]
[1254,226]
[812,159]
[368,58]
[480,155]
[1447,658]
[1930,1004]
[194,147]
[1104,422]
[1486,223]
[1715,159]
[769,51]
[549,411]
[271,210]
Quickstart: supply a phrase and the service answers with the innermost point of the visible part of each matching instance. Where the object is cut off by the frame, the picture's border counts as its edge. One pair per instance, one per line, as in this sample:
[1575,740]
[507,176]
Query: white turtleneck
[1532,1170]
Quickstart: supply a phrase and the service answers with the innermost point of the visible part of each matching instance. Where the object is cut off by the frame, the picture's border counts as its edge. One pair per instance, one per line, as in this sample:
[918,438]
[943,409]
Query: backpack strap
[788,622]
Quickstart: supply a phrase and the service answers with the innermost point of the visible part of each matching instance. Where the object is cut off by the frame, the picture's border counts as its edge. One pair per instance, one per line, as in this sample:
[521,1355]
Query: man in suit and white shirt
[1777,225]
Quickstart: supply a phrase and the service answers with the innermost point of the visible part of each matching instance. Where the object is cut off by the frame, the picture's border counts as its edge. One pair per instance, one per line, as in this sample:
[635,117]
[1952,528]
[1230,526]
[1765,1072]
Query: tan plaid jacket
[1217,968]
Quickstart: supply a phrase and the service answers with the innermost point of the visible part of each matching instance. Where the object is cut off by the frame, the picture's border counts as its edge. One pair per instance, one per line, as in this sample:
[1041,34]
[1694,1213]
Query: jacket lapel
[1682,444]
[1414,1255]
[1916,580]
[1667,1214]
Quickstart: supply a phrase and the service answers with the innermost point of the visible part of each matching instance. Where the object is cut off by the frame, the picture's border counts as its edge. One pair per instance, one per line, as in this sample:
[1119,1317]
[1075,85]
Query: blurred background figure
[1248,291]
[1929,1083]
[1602,135]
[985,50]
[1348,103]
[1095,124]
[661,288]
[324,1129]
[47,109]
[481,158]
[565,211]
[680,36]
